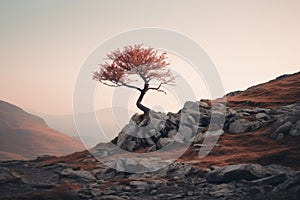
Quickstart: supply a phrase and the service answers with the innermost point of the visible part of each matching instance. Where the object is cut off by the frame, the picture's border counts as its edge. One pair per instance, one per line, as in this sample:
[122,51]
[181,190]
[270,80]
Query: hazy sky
[43,43]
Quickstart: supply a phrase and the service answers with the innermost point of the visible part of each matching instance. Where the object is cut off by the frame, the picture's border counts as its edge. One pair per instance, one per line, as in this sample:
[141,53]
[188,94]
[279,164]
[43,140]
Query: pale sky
[43,43]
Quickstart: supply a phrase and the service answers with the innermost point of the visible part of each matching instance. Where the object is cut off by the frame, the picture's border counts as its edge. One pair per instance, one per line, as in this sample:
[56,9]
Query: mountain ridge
[24,135]
[283,90]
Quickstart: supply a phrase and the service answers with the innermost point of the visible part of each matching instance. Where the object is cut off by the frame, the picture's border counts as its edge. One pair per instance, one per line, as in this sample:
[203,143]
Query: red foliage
[146,63]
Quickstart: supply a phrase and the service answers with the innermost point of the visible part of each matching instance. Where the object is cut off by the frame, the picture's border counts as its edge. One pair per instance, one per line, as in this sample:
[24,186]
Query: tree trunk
[139,101]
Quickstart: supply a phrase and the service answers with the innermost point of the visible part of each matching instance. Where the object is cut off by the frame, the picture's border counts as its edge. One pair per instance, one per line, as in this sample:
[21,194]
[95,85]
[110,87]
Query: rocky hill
[26,136]
[252,141]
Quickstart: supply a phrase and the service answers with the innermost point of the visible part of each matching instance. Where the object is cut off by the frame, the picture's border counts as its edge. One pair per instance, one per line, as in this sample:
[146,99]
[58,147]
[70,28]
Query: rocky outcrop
[246,120]
[77,174]
[196,120]
[8,176]
[287,123]
[249,172]
[21,179]
[242,126]
[190,123]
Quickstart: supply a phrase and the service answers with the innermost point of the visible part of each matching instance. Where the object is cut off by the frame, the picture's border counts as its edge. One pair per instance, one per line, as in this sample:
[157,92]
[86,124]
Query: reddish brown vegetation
[281,91]
[73,160]
[251,147]
[257,146]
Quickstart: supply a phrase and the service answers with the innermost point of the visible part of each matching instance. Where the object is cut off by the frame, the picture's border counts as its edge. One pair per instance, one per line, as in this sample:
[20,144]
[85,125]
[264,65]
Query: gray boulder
[235,172]
[285,128]
[149,141]
[295,130]
[152,148]
[279,136]
[141,185]
[297,125]
[74,174]
[7,175]
[270,180]
[262,116]
[162,142]
[203,104]
[238,126]
[291,183]
[243,125]
[188,133]
[248,172]
[172,133]
[190,105]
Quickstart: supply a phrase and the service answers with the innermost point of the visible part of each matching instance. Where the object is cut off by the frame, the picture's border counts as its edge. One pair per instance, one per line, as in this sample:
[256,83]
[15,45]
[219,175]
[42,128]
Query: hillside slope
[281,91]
[256,156]
[23,135]
[253,144]
[105,117]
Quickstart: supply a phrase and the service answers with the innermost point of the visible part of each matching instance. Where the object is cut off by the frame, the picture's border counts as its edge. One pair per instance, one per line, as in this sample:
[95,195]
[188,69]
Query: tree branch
[121,84]
[111,85]
[157,88]
[130,86]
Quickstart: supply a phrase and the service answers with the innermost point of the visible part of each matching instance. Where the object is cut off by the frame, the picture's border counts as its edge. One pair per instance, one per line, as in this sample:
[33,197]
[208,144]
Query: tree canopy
[134,61]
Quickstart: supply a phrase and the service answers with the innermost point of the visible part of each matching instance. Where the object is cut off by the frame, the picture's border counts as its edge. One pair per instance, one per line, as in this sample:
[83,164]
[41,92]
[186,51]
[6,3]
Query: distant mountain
[110,120]
[10,156]
[26,136]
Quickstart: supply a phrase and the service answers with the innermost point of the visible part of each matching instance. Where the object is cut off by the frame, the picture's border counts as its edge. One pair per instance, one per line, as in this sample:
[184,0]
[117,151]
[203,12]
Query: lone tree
[134,61]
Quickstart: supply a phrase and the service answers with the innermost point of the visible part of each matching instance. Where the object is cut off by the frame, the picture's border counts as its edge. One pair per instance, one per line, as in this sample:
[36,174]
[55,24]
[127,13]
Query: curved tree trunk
[139,101]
